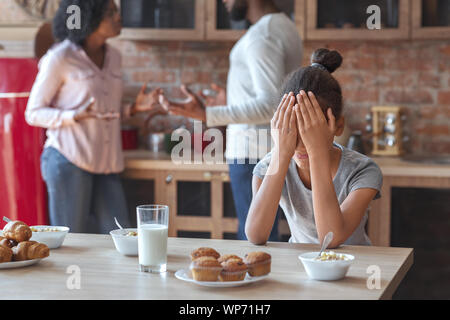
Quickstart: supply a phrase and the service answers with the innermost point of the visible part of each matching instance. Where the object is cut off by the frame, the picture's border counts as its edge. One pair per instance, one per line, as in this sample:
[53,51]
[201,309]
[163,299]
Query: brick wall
[414,74]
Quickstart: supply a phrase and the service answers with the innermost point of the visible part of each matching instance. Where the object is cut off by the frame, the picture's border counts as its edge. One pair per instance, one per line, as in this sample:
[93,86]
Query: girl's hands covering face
[284,128]
[316,133]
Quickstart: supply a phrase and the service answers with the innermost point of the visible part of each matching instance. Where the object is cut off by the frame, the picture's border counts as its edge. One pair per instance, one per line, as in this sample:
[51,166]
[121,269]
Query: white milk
[152,243]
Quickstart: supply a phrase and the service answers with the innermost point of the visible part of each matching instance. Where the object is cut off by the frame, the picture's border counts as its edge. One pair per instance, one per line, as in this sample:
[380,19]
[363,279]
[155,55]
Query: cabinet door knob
[169,179]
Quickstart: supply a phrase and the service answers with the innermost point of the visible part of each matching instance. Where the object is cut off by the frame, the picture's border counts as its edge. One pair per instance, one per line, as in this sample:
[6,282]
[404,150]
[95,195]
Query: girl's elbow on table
[253,236]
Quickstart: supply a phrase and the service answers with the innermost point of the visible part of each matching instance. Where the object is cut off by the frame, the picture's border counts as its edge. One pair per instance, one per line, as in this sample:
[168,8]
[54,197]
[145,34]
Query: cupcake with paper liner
[204,252]
[205,269]
[258,263]
[227,257]
[233,270]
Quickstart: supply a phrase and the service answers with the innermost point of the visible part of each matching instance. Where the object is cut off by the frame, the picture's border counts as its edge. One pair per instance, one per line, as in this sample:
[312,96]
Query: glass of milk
[153,222]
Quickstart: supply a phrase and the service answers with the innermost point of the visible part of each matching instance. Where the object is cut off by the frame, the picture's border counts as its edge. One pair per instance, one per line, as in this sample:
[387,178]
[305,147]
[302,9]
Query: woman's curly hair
[92,13]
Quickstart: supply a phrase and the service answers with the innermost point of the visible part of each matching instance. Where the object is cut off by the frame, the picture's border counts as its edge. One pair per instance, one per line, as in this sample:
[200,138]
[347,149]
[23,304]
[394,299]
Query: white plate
[185,275]
[18,264]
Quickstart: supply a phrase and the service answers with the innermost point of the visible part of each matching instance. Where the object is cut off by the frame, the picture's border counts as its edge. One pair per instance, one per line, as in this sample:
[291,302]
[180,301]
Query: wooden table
[106,274]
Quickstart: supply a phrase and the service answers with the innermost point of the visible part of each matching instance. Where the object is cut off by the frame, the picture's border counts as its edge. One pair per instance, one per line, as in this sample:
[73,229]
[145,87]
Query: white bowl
[53,239]
[325,270]
[126,245]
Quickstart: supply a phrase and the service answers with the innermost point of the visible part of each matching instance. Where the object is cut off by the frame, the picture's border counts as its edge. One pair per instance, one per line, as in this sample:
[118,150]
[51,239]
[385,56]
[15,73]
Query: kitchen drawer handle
[169,179]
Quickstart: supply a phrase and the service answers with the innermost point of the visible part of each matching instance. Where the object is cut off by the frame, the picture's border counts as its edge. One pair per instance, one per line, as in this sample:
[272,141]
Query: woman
[77,98]
[320,185]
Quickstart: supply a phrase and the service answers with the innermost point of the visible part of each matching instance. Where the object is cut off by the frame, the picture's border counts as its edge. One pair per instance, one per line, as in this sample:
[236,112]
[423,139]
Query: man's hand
[220,99]
[191,107]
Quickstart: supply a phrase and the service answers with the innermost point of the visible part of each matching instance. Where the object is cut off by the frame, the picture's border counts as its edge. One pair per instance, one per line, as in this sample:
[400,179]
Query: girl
[77,98]
[320,185]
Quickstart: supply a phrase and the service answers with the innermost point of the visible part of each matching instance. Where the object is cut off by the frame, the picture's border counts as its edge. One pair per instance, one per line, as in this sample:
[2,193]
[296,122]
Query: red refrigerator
[22,191]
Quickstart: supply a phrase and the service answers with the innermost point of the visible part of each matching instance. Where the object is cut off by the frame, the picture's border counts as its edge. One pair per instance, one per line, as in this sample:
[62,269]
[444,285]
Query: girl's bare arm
[267,193]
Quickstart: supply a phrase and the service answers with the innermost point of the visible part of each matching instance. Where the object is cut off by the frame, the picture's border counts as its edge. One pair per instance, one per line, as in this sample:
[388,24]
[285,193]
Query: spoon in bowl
[326,241]
[117,223]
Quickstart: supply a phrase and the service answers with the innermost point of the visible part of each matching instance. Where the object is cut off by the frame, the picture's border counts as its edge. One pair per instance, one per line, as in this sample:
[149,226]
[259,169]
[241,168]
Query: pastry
[5,254]
[204,252]
[258,263]
[233,270]
[205,269]
[226,257]
[30,250]
[7,243]
[17,231]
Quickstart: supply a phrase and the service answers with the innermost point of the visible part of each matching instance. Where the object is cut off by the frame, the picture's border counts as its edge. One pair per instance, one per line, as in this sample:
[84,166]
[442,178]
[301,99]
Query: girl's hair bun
[329,59]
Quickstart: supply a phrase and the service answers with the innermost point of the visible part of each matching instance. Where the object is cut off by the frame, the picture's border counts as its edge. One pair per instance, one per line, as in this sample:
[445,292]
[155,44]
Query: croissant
[30,250]
[5,254]
[7,243]
[17,231]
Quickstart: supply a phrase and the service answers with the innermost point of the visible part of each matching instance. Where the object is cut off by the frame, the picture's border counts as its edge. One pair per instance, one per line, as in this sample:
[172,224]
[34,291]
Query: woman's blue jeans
[83,201]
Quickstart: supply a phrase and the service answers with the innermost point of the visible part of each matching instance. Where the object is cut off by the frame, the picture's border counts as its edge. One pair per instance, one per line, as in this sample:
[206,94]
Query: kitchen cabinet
[198,195]
[162,19]
[196,200]
[217,222]
[199,20]
[400,173]
[430,19]
[219,26]
[347,20]
[420,221]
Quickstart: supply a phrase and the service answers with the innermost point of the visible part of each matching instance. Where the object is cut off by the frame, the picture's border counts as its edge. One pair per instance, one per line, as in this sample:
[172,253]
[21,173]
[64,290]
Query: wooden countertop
[106,274]
[148,160]
[390,166]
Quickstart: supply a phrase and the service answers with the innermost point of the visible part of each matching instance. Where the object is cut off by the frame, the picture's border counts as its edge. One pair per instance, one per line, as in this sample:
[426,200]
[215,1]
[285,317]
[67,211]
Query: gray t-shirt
[355,171]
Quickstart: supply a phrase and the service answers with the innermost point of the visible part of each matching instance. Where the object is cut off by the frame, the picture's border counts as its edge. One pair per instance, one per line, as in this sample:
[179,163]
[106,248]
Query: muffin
[233,270]
[204,252]
[226,257]
[258,263]
[205,269]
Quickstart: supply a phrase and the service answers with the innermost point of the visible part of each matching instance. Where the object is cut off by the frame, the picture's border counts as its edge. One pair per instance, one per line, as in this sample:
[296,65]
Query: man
[259,62]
